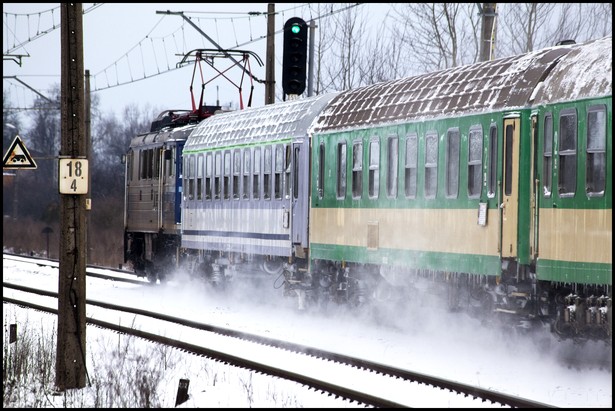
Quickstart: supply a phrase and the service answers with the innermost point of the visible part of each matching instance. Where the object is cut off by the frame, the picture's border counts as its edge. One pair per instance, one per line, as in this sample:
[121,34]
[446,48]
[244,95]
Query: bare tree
[582,22]
[110,140]
[426,37]
[321,48]
[339,66]
[435,36]
[519,26]
[45,131]
[604,17]
[526,27]
[11,124]
[382,59]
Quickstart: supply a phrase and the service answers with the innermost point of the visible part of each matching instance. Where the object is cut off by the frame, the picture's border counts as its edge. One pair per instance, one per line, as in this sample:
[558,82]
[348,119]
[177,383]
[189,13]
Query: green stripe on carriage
[465,263]
[572,272]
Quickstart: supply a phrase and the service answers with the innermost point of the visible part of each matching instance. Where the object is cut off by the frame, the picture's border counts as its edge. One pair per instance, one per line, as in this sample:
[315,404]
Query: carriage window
[596,151]
[341,170]
[547,163]
[287,171]
[172,166]
[180,167]
[508,162]
[277,176]
[208,171]
[155,164]
[218,176]
[452,163]
[227,175]
[152,160]
[492,161]
[320,182]
[199,177]
[168,162]
[475,155]
[146,164]
[190,174]
[256,174]
[357,169]
[129,165]
[246,174]
[296,173]
[392,162]
[267,174]
[236,173]
[186,160]
[431,165]
[142,164]
[411,159]
[567,153]
[374,168]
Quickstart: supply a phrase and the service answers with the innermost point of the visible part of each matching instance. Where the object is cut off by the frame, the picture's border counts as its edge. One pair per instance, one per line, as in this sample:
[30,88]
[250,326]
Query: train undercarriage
[516,297]
[151,255]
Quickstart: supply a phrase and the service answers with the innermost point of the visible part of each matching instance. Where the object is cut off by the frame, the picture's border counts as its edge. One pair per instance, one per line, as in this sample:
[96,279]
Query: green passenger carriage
[444,176]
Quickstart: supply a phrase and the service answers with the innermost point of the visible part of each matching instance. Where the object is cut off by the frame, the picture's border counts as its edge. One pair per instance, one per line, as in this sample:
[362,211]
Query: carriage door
[178,178]
[510,189]
[299,194]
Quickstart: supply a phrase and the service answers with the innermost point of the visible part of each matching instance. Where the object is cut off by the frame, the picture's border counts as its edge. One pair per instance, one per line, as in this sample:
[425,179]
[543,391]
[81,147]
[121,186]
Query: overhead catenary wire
[123,71]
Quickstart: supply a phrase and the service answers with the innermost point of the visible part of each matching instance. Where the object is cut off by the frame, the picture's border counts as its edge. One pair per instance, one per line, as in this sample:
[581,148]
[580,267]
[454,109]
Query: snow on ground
[429,340]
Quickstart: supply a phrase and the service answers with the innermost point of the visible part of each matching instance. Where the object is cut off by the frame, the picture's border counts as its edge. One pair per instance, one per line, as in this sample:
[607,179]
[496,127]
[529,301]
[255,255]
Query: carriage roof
[253,125]
[585,72]
[506,83]
[161,136]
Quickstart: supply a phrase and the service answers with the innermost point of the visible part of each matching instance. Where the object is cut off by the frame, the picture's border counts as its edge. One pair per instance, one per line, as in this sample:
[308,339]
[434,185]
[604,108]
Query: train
[490,181]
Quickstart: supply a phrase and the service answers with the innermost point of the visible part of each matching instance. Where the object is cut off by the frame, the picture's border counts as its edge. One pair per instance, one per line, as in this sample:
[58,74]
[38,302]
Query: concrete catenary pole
[310,78]
[270,60]
[487,43]
[70,359]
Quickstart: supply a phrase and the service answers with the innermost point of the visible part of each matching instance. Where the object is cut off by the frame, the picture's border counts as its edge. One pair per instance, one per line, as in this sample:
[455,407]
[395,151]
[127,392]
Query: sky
[126,46]
[425,340]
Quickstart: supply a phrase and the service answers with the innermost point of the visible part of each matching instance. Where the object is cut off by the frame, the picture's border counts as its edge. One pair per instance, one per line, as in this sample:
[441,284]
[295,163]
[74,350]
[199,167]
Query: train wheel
[486,309]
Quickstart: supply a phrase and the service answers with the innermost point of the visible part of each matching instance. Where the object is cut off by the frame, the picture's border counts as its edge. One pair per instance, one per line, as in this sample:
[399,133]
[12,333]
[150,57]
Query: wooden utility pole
[270,60]
[70,360]
[88,144]
[487,41]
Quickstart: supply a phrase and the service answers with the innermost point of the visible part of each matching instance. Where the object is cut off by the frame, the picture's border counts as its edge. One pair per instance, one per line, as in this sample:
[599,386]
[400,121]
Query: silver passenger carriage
[246,190]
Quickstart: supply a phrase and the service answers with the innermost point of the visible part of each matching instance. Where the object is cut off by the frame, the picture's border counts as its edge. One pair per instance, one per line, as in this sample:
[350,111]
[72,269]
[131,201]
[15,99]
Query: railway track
[356,368]
[91,270]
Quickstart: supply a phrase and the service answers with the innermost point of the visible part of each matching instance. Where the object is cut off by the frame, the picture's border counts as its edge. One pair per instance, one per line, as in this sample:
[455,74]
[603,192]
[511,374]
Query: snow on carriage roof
[162,135]
[584,72]
[508,83]
[504,83]
[268,123]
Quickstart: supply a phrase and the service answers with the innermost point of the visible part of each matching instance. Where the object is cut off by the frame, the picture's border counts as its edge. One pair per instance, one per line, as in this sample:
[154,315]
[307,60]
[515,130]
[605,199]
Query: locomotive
[492,181]
[153,192]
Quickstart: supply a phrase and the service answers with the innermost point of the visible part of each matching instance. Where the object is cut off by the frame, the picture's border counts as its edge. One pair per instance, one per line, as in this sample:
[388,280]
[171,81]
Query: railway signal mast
[295,56]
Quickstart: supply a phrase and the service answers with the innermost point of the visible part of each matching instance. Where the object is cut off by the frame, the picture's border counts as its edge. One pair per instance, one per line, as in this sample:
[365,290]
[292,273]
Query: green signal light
[295,28]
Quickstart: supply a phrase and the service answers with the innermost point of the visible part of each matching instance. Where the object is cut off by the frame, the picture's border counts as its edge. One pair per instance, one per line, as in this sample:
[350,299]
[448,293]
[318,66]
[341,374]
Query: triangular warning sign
[17,156]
